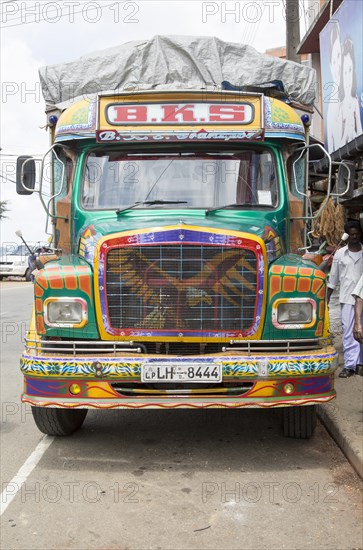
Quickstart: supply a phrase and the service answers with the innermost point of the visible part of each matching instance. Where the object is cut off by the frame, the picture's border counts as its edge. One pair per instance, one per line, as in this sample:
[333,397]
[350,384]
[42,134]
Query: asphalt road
[165,479]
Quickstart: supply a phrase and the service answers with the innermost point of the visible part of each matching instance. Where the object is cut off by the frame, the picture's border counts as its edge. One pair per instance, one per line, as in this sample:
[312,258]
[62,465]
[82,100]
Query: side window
[90,190]
[267,184]
[296,179]
[61,169]
[296,174]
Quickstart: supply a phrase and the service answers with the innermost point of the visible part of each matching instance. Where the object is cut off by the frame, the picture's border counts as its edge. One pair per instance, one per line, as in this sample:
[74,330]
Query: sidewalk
[343,417]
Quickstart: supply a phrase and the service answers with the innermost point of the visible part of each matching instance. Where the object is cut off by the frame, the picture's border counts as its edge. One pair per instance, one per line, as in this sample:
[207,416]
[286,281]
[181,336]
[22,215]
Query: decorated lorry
[179,207]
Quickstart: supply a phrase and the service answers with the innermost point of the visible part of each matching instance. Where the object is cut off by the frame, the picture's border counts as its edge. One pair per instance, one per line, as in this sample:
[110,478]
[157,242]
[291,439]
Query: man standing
[31,264]
[358,321]
[358,312]
[346,270]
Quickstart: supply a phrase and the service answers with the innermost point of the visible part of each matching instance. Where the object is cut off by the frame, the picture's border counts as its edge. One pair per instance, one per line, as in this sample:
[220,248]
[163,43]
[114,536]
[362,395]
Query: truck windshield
[205,180]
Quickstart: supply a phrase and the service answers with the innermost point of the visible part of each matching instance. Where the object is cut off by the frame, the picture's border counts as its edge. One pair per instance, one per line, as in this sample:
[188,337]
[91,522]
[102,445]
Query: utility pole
[292,29]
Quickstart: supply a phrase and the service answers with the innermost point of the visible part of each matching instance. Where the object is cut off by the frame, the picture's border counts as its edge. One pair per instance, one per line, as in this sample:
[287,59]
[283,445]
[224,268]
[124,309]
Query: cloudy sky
[44,33]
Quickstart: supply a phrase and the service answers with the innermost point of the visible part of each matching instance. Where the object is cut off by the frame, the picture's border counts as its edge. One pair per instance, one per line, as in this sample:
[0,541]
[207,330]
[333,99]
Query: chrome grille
[181,287]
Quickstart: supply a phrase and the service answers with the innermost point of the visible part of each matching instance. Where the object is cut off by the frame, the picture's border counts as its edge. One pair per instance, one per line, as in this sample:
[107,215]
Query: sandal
[346,373]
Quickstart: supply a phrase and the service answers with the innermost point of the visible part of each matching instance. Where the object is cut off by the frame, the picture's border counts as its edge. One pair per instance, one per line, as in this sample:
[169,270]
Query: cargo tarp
[172,62]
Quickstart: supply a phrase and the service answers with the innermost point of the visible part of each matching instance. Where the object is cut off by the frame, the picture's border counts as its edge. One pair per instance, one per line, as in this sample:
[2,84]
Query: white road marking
[14,486]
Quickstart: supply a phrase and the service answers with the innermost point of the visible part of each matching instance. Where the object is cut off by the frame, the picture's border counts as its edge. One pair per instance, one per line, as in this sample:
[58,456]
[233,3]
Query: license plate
[187,372]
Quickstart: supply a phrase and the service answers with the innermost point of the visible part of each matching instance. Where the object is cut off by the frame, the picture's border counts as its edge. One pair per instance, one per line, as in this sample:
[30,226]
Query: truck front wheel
[299,422]
[53,421]
[28,275]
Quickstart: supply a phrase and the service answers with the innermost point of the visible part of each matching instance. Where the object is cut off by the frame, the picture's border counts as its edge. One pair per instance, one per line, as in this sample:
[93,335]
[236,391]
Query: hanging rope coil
[330,224]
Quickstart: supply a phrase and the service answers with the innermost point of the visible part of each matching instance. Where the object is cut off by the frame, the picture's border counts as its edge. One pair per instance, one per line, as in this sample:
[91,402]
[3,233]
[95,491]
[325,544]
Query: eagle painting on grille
[181,287]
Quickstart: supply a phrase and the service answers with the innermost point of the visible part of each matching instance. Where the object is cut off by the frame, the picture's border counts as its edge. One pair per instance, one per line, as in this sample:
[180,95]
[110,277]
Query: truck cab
[180,215]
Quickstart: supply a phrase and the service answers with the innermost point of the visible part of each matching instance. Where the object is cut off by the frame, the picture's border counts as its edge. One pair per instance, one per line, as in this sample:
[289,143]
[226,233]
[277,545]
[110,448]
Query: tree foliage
[3,208]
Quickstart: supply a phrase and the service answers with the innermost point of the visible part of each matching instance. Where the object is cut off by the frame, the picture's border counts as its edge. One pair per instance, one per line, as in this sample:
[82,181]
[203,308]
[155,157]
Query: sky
[35,34]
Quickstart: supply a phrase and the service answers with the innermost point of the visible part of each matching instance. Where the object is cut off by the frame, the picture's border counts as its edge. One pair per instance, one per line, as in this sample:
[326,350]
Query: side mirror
[25,175]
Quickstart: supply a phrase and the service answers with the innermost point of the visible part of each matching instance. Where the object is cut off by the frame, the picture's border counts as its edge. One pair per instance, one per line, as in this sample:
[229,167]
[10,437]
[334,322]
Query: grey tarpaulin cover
[172,62]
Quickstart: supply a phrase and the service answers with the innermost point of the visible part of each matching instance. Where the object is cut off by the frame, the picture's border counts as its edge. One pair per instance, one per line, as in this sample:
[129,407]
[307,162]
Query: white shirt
[358,291]
[346,270]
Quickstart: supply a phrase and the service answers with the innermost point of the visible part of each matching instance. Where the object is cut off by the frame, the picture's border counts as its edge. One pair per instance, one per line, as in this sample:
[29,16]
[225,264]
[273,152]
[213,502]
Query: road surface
[179,479]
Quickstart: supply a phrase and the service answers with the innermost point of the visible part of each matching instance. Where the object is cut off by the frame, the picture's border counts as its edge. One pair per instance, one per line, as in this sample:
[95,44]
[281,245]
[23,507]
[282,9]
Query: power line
[20,154]
[6,178]
[257,25]
[16,1]
[250,29]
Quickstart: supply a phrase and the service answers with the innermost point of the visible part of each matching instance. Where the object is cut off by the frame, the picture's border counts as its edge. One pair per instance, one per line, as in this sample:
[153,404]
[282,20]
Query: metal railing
[82,347]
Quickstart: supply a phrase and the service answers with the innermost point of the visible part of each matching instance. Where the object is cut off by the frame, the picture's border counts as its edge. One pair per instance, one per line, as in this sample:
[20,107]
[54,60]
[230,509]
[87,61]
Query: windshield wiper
[147,203]
[233,205]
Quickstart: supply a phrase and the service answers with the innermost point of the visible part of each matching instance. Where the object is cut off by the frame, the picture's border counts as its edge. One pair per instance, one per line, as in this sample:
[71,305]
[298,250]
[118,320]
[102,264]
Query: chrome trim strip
[75,347]
[82,346]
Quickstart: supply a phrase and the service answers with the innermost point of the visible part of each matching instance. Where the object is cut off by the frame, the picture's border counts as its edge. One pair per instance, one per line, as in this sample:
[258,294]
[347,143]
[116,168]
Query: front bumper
[105,382]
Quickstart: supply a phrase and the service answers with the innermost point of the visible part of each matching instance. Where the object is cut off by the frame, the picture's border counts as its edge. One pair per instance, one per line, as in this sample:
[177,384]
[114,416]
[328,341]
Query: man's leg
[351,347]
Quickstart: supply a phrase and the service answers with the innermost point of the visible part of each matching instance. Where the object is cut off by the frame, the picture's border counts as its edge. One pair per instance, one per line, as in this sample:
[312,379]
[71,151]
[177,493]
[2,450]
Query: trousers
[353,350]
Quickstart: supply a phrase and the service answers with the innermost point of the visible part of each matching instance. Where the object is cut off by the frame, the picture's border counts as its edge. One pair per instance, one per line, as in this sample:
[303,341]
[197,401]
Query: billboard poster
[341,56]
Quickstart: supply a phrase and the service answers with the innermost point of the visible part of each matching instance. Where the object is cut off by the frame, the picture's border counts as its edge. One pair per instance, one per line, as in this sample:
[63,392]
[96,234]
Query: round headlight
[65,312]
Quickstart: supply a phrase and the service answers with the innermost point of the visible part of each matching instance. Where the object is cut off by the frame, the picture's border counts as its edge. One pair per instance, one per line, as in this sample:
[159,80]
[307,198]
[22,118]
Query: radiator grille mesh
[181,287]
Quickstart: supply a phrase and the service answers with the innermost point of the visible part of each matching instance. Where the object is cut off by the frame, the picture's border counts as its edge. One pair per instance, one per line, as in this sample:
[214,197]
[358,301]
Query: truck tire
[28,275]
[299,422]
[52,421]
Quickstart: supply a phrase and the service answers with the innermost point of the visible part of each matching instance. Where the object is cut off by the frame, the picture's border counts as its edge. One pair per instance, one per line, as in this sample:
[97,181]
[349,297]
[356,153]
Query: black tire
[299,422]
[1,277]
[28,275]
[52,421]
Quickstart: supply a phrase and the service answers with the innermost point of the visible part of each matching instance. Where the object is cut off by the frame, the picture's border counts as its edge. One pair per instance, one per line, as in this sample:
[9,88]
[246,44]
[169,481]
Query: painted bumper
[47,381]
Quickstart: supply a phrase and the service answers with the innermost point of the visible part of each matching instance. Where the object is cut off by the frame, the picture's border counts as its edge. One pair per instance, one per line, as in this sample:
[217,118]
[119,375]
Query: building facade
[334,42]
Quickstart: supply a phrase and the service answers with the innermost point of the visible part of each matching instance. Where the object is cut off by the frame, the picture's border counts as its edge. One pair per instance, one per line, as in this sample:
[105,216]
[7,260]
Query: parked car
[14,262]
